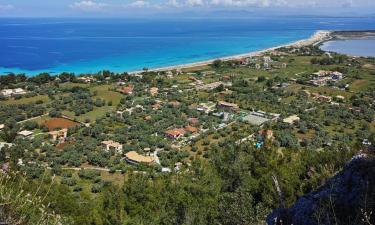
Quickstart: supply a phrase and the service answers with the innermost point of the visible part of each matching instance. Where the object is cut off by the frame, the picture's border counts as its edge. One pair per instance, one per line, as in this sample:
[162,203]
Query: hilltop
[346,198]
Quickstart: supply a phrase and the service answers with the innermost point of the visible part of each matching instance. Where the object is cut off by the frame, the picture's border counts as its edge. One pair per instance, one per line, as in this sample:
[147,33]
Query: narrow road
[37,117]
[87,168]
[157,160]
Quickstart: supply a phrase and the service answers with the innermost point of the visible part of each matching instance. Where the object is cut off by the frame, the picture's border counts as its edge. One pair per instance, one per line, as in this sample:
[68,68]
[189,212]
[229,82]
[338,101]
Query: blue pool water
[32,46]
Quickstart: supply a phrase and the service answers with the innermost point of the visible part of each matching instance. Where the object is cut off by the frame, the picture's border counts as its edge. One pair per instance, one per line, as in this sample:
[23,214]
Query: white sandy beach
[318,37]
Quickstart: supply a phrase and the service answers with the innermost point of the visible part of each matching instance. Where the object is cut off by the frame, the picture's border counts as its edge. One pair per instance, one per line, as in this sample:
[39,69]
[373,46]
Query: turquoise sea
[56,45]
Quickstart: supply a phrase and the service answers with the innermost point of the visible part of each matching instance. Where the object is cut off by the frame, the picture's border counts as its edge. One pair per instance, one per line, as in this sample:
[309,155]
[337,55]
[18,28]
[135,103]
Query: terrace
[258,118]
[134,158]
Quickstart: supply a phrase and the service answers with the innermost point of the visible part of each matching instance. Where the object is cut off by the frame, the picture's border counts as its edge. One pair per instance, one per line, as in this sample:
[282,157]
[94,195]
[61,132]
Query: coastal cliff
[347,198]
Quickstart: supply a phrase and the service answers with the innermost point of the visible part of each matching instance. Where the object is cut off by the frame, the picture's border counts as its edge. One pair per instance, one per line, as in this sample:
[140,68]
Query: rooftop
[58,132]
[25,133]
[176,132]
[111,143]
[291,119]
[126,90]
[228,104]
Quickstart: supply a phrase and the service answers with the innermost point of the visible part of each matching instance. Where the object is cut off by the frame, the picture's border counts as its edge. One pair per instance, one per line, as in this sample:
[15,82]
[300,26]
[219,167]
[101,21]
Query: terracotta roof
[269,133]
[126,90]
[135,157]
[176,132]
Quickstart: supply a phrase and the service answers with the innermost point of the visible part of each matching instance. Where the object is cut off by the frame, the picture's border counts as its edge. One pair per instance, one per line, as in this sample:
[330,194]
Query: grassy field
[103,92]
[115,178]
[70,85]
[21,101]
[193,69]
[39,119]
[218,136]
[360,85]
[322,90]
[96,113]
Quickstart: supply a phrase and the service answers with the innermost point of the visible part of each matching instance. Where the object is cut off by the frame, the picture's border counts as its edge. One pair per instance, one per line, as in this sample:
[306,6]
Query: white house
[19,91]
[6,92]
[25,133]
[108,145]
[11,92]
[267,59]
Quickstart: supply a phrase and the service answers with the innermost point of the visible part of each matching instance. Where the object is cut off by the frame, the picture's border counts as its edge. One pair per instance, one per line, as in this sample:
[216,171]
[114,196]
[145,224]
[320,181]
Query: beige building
[154,91]
[291,119]
[227,105]
[59,135]
[112,145]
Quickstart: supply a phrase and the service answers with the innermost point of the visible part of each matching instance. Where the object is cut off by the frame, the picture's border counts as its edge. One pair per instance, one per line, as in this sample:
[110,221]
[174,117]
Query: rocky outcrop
[347,198]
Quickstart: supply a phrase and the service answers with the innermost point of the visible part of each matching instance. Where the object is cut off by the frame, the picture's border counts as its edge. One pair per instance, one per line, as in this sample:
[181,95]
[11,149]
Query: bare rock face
[347,198]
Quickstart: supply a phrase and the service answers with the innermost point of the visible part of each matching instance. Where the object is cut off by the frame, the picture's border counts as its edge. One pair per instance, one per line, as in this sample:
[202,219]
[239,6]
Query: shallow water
[351,47]
[32,46]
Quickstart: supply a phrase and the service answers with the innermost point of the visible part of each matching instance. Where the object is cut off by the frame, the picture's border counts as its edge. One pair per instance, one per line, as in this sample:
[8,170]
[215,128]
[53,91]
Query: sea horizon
[85,46]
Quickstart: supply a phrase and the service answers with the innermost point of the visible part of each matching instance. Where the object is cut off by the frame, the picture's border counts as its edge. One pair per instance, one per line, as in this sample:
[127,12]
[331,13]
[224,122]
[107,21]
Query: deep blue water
[90,45]
[362,47]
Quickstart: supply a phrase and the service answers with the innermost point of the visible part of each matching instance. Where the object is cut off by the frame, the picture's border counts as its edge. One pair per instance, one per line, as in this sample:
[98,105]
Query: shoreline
[317,38]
